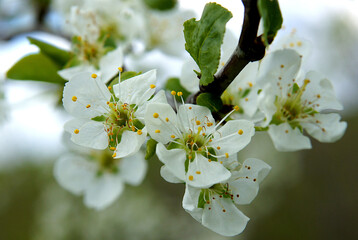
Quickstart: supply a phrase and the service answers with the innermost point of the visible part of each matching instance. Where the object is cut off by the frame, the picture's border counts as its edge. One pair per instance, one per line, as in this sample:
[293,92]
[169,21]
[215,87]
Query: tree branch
[250,48]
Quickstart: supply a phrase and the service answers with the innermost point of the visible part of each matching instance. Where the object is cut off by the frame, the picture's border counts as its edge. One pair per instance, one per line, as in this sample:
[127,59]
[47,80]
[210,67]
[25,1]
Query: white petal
[192,117]
[286,139]
[92,135]
[158,98]
[103,190]
[228,223]
[266,103]
[168,175]
[173,159]
[74,124]
[133,169]
[244,190]
[165,125]
[91,96]
[130,143]
[74,173]
[233,136]
[281,67]
[203,174]
[137,90]
[109,64]
[190,202]
[69,73]
[328,129]
[320,93]
[254,168]
[292,41]
[188,78]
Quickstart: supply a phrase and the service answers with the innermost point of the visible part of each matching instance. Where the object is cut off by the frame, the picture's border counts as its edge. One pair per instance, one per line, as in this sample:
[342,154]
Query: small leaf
[204,37]
[37,67]
[59,56]
[272,19]
[161,4]
[174,84]
[295,88]
[210,101]
[101,118]
[151,146]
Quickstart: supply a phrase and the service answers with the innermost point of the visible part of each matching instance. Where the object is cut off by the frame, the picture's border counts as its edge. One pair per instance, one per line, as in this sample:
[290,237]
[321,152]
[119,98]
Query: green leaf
[101,118]
[151,146]
[204,37]
[129,74]
[161,4]
[37,67]
[174,84]
[210,101]
[59,56]
[272,19]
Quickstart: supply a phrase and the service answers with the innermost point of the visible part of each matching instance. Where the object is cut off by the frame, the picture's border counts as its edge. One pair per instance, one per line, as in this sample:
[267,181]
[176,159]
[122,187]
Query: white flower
[197,149]
[106,120]
[215,207]
[292,104]
[99,177]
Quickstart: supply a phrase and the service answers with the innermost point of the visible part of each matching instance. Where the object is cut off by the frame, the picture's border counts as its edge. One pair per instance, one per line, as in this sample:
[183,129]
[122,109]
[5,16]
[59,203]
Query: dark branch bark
[250,48]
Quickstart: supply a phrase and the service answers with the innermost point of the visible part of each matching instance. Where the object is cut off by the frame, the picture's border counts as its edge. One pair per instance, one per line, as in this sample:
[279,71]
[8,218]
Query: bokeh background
[310,194]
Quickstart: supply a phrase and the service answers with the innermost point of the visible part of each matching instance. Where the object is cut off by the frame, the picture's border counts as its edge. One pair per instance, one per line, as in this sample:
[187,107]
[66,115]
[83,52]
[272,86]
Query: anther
[209,124]
[218,147]
[112,148]
[173,93]
[76,131]
[94,75]
[191,178]
[286,131]
[190,108]
[299,43]
[240,132]
[88,106]
[114,155]
[172,136]
[226,155]
[109,88]
[152,86]
[120,69]
[282,66]
[250,84]
[157,131]
[74,98]
[246,99]
[155,115]
[197,122]
[198,172]
[236,108]
[180,94]
[139,132]
[292,44]
[167,119]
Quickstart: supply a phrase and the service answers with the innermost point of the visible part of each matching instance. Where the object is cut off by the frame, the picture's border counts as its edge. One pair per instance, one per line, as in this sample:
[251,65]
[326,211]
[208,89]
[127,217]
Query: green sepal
[37,67]
[203,39]
[138,124]
[59,56]
[101,118]
[213,102]
[201,199]
[151,147]
[161,5]
[272,19]
[295,88]
[174,84]
[129,74]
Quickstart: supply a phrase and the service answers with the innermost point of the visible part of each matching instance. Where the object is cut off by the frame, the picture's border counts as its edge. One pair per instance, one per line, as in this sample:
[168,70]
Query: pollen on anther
[240,132]
[112,148]
[197,122]
[282,66]
[88,106]
[254,179]
[94,75]
[292,44]
[246,99]
[139,132]
[109,88]
[190,157]
[299,43]
[198,172]
[318,96]
[218,147]
[180,94]
[191,178]
[74,98]
[157,131]
[236,108]
[173,93]
[76,131]
[190,108]
[250,84]
[114,155]
[226,155]
[120,69]
[323,130]
[172,136]
[167,119]
[221,162]
[286,131]
[155,115]
[209,124]
[152,86]
[224,210]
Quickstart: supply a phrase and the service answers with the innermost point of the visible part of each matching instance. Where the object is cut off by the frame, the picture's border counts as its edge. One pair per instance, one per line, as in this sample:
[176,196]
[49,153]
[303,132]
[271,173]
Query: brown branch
[250,48]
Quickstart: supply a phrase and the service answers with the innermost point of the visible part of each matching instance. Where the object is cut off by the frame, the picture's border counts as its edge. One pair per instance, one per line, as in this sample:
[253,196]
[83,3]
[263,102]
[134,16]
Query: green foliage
[57,55]
[161,4]
[151,146]
[36,67]
[204,37]
[213,102]
[174,84]
[272,19]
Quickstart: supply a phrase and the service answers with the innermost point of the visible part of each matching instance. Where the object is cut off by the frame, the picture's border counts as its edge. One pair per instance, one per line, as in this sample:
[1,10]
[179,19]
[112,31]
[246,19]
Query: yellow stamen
[112,148]
[114,155]
[198,172]
[226,155]
[173,93]
[109,88]
[190,108]
[155,115]
[299,43]
[157,131]
[218,147]
[240,132]
[191,178]
[197,122]
[292,44]
[221,162]
[94,75]
[74,98]
[120,69]
[180,94]
[167,119]
[152,86]
[76,131]
[139,132]
[209,124]
[236,108]
[88,106]
[250,84]
[172,136]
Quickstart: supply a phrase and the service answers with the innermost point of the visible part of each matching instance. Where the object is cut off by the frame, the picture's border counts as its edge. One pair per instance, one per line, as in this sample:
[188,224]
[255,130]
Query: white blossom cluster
[115,114]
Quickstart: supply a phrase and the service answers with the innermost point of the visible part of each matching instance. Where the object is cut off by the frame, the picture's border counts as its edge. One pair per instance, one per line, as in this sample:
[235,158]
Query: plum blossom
[215,207]
[109,117]
[197,149]
[293,104]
